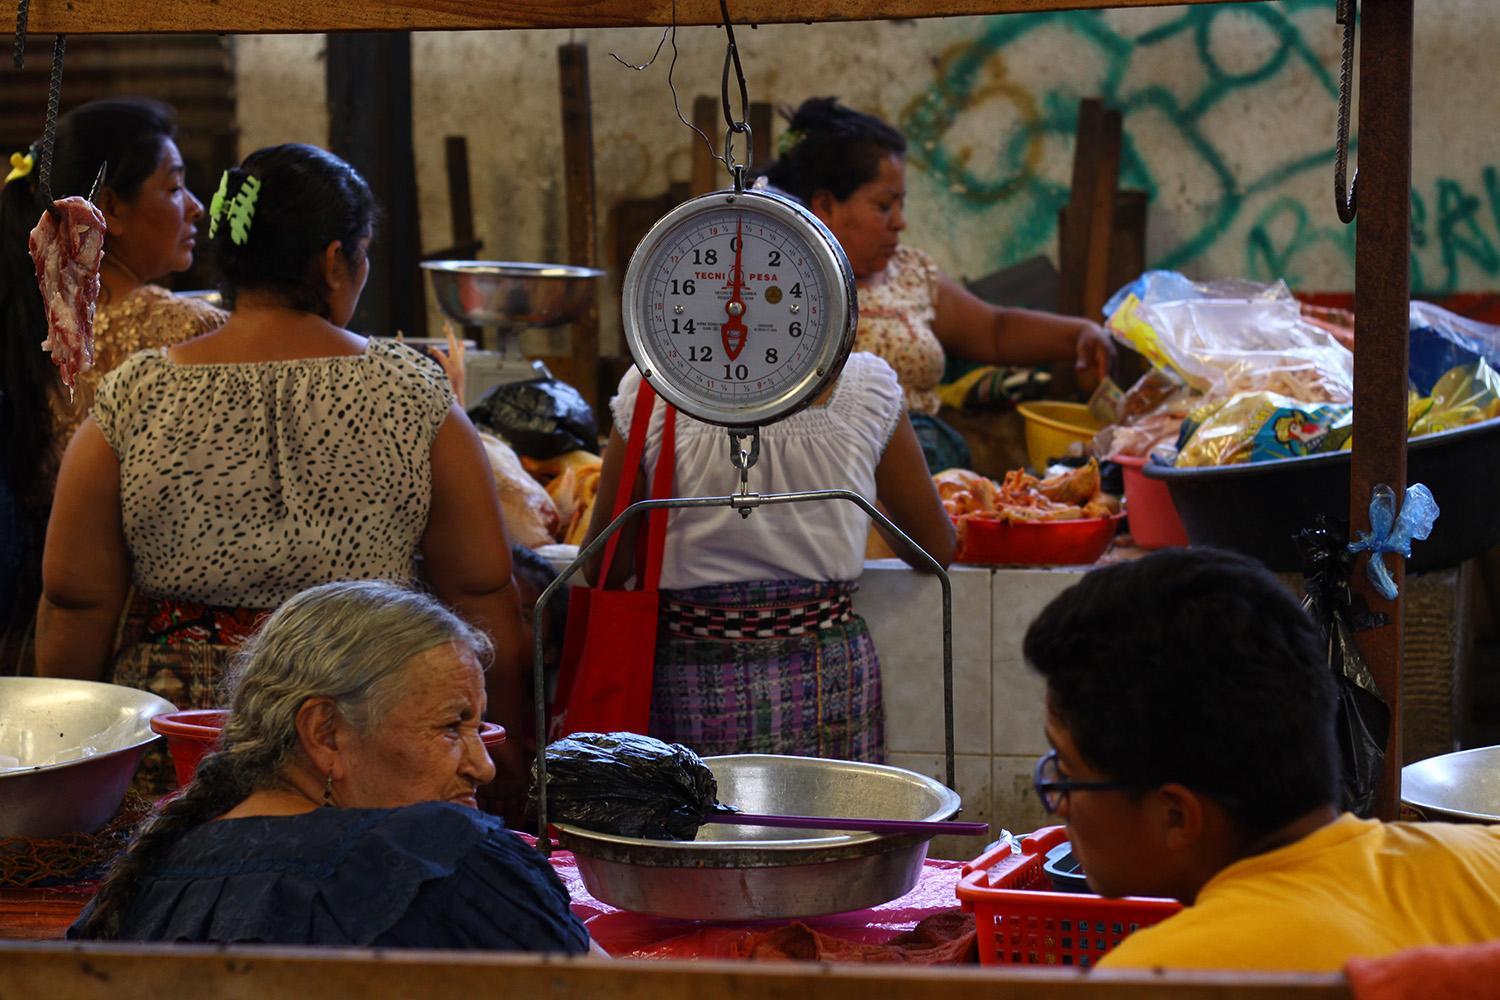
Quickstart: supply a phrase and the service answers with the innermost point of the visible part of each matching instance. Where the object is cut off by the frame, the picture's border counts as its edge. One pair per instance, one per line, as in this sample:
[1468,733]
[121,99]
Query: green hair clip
[216,206]
[239,210]
[789,141]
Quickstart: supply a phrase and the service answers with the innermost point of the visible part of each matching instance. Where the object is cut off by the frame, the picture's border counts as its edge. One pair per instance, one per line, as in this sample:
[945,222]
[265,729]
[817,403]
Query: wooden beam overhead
[280,16]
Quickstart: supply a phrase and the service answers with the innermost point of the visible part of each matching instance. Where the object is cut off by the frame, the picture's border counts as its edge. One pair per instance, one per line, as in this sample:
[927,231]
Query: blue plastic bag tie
[1394,533]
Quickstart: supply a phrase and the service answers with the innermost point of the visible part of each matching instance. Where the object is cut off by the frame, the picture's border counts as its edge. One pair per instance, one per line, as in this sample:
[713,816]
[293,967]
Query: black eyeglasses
[1051,786]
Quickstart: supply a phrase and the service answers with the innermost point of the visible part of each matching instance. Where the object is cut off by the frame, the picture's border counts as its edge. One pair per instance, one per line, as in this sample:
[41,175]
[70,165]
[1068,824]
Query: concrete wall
[1229,122]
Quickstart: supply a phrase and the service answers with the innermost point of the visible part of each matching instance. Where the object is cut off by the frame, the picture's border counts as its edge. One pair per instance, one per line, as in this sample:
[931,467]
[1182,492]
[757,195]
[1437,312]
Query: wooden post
[461,209]
[580,368]
[762,120]
[1382,283]
[707,172]
[1088,223]
[369,115]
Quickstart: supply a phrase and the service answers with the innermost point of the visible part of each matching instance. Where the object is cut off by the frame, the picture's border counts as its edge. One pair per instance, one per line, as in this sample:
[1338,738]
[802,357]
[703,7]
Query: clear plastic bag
[1232,336]
[1441,341]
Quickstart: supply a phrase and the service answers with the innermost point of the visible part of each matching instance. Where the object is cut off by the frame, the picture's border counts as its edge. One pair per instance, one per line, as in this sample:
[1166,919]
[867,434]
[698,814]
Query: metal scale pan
[752,873]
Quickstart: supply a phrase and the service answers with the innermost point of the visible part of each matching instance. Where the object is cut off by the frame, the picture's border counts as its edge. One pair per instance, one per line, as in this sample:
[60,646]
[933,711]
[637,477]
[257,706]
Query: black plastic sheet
[630,785]
[540,418]
[1363,716]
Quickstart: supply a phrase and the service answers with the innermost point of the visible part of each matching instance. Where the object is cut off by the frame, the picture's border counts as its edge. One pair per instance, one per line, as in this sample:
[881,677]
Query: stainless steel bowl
[761,873]
[68,750]
[1462,786]
[511,296]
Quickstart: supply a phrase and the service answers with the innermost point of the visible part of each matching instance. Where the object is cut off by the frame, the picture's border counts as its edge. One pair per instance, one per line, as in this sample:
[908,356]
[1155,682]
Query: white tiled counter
[997,699]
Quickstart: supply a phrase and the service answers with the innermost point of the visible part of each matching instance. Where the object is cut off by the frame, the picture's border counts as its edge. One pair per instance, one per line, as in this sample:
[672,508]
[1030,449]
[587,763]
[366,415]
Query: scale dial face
[739,308]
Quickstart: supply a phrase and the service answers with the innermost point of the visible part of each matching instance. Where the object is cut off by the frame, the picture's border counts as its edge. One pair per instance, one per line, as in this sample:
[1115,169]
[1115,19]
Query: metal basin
[760,873]
[511,296]
[68,750]
[1462,786]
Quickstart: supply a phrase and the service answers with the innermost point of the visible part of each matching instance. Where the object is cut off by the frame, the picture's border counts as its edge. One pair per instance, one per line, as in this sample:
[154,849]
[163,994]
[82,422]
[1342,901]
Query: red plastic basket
[1020,923]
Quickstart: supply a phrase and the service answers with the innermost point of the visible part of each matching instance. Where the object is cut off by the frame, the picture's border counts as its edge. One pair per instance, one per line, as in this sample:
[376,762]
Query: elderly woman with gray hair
[340,806]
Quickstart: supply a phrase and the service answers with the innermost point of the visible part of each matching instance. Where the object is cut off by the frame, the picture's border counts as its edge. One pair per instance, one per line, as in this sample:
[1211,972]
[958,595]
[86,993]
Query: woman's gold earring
[328,792]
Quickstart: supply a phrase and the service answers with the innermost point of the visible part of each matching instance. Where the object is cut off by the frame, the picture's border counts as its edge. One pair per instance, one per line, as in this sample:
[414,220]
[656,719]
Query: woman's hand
[452,360]
[1095,352]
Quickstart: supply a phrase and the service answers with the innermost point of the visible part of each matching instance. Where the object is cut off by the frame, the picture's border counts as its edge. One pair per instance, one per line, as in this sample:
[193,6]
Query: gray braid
[346,641]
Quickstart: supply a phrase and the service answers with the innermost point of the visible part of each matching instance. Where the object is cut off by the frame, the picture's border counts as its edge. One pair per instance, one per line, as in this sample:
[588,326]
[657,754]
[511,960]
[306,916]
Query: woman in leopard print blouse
[223,475]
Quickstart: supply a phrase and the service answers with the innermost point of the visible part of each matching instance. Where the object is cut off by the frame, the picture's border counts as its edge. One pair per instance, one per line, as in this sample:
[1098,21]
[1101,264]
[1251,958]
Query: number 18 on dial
[739,307]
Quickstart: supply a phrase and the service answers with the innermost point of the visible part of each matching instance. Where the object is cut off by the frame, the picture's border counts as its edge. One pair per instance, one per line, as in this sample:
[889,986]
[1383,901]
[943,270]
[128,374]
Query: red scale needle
[733,332]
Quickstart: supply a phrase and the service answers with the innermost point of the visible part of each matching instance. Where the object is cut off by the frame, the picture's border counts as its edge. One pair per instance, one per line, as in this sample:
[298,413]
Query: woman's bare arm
[86,565]
[906,492]
[971,328]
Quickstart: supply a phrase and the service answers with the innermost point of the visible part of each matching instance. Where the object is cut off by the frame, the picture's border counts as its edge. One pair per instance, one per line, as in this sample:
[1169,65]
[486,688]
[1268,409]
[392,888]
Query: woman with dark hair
[339,807]
[848,168]
[229,472]
[152,219]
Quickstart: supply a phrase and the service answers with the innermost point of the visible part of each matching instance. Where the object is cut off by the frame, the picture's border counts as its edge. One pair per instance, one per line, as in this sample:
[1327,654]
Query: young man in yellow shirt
[1191,711]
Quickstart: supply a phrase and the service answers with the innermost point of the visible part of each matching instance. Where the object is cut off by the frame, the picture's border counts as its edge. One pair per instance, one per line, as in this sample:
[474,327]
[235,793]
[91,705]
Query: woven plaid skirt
[181,652]
[772,666]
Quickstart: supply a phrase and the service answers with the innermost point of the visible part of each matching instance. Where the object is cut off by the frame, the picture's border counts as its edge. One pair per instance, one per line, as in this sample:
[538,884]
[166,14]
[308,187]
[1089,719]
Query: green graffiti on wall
[1221,61]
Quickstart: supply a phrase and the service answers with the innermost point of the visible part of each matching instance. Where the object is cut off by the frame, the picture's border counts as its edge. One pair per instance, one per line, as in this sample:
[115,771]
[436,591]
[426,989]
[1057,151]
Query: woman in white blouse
[806,679]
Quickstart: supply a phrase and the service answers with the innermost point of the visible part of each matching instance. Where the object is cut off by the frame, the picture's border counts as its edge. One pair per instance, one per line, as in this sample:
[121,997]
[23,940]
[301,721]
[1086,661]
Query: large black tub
[1258,507]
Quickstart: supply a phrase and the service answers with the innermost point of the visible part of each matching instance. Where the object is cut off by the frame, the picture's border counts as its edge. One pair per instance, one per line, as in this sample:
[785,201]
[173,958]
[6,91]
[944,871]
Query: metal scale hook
[742,458]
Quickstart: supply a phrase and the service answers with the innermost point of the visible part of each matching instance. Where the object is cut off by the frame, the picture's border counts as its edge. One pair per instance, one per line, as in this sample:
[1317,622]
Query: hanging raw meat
[68,248]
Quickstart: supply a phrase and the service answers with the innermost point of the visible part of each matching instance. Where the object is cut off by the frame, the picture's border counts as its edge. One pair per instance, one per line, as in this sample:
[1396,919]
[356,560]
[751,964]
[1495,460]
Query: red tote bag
[609,649]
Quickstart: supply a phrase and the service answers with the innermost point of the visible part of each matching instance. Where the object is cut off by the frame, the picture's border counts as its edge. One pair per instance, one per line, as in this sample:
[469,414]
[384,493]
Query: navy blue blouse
[433,875]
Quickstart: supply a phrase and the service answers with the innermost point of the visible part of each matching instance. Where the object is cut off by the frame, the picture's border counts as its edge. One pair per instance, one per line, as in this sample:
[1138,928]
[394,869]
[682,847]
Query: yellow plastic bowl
[1051,427]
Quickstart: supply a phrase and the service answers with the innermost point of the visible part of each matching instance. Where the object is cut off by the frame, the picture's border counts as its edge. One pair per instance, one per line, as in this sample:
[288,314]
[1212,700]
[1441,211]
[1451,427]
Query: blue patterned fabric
[942,446]
[433,875]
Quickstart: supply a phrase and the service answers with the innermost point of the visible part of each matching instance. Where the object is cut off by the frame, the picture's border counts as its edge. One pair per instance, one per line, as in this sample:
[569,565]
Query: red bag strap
[653,534]
[661,486]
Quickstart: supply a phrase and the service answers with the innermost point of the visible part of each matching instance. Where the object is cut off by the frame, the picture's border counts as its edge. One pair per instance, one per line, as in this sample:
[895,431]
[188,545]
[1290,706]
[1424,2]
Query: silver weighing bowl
[1455,787]
[68,750]
[762,873]
[511,296]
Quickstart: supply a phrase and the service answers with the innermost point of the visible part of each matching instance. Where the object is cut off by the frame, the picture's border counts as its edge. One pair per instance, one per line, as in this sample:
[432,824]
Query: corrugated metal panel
[193,73]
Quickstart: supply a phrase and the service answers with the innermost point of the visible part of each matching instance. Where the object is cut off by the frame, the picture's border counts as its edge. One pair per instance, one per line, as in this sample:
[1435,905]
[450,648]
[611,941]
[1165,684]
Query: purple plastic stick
[888,826]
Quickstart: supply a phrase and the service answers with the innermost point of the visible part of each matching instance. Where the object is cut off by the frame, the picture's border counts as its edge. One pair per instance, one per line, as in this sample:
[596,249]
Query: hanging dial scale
[739,307]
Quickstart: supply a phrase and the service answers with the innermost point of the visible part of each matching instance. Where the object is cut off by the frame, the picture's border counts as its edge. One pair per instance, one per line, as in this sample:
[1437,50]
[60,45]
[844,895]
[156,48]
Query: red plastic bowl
[192,735]
[990,542]
[1154,523]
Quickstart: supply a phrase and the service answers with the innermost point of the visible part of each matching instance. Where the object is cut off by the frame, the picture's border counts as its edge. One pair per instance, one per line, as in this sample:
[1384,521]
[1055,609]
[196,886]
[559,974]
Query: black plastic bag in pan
[540,418]
[630,785]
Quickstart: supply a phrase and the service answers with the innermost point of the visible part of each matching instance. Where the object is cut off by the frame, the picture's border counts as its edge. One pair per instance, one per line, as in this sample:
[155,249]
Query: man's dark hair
[1194,666]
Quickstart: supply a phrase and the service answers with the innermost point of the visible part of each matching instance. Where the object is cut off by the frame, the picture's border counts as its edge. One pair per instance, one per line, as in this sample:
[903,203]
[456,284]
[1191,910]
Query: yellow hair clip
[20,166]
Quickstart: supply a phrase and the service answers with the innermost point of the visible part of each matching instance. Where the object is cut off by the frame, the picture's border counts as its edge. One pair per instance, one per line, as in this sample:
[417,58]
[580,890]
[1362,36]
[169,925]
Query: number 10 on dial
[739,307]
